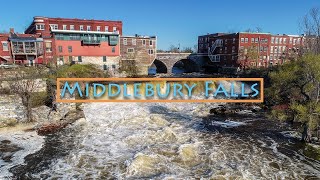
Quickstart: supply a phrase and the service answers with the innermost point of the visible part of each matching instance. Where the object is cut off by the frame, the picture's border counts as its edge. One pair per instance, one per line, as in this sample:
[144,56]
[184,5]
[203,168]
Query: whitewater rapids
[169,141]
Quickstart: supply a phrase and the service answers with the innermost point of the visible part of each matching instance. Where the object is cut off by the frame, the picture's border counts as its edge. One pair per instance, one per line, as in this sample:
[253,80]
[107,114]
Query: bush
[79,71]
[38,99]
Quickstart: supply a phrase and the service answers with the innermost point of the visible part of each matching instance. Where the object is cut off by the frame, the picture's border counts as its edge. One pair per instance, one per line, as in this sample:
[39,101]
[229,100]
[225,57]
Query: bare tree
[24,84]
[254,30]
[174,49]
[130,67]
[187,50]
[311,28]
[247,55]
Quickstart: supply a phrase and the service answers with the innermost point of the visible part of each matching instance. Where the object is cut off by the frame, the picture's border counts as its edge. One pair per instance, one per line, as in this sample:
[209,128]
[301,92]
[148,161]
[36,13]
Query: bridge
[165,62]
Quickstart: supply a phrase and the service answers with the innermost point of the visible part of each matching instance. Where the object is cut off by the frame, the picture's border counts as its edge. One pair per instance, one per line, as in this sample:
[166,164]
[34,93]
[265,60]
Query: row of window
[79,58]
[131,50]
[254,40]
[217,58]
[60,49]
[134,42]
[72,27]
[277,40]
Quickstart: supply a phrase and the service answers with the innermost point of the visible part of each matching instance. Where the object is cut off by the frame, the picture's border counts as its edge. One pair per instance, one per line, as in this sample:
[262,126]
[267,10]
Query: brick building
[249,49]
[140,49]
[79,40]
[24,49]
[5,54]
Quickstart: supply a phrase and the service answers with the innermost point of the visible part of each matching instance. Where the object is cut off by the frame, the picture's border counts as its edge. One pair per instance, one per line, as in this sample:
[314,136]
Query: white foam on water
[30,143]
[161,141]
[227,123]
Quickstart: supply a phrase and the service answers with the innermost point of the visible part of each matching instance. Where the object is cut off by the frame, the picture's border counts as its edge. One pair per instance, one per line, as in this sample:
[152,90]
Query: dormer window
[40,27]
[54,26]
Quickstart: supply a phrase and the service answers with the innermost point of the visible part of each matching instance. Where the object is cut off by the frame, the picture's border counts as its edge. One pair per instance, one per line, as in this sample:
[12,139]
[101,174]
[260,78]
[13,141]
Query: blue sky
[173,21]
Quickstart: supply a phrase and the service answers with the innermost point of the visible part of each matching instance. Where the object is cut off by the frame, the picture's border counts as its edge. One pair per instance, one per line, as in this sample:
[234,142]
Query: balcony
[90,42]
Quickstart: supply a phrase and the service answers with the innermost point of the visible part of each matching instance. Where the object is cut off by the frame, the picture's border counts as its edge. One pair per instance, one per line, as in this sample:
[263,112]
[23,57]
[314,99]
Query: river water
[169,141]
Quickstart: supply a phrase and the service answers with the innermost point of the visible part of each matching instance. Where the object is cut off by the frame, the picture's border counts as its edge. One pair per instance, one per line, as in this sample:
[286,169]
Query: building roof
[73,19]
[24,38]
[139,36]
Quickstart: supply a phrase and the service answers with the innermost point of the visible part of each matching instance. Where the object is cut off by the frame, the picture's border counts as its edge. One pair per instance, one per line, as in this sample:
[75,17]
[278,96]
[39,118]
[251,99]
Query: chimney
[12,30]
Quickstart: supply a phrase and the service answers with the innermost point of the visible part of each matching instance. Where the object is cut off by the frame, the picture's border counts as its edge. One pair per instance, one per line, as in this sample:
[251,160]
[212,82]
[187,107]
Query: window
[40,27]
[272,40]
[284,40]
[60,49]
[232,58]
[150,42]
[280,41]
[104,58]
[98,28]
[81,28]
[64,27]
[60,60]
[113,66]
[290,41]
[88,28]
[271,50]
[130,50]
[277,40]
[105,67]
[257,40]
[246,40]
[242,40]
[5,46]
[233,49]
[71,27]
[48,47]
[79,58]
[134,42]
[106,28]
[114,29]
[54,26]
[226,41]
[294,41]
[70,59]
[144,42]
[234,40]
[70,49]
[113,50]
[150,52]
[252,40]
[125,41]
[225,49]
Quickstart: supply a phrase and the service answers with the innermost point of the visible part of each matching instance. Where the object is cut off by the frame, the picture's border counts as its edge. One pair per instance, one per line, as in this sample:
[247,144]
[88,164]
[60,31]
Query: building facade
[24,49]
[79,40]
[249,49]
[138,50]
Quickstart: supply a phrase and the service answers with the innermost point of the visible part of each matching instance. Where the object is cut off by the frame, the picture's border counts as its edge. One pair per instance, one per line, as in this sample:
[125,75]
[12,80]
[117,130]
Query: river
[169,141]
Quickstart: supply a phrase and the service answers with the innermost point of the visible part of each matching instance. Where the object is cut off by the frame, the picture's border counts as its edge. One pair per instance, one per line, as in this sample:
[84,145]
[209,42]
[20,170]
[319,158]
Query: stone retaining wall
[11,107]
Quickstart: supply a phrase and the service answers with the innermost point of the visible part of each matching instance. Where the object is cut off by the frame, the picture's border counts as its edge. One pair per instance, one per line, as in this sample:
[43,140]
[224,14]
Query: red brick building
[79,40]
[5,54]
[21,48]
[249,49]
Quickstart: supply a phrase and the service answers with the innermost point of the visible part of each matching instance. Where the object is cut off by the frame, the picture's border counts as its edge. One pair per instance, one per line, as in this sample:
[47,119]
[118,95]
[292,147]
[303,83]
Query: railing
[90,41]
[214,58]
